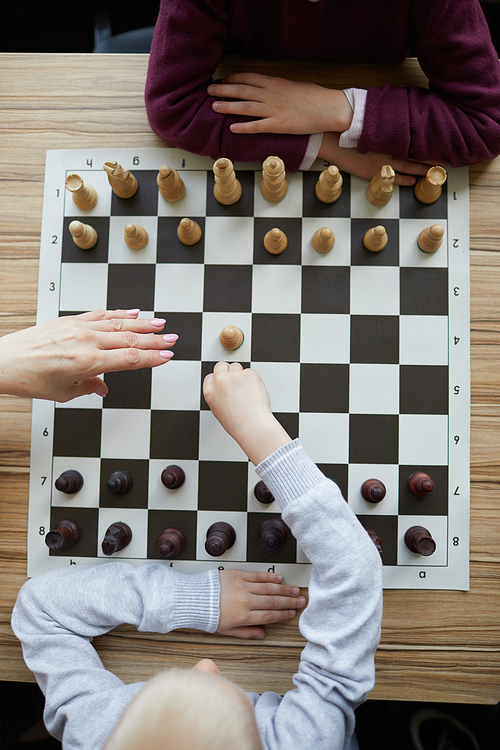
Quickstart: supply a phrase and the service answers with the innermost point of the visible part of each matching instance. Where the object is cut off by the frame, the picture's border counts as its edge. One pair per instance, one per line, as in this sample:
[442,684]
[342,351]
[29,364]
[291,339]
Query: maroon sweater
[456,120]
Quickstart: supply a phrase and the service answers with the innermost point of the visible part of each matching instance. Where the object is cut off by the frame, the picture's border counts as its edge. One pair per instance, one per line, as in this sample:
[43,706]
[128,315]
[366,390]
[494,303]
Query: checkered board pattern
[365,356]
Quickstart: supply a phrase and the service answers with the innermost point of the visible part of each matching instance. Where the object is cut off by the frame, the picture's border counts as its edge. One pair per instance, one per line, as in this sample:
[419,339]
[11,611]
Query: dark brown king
[220,537]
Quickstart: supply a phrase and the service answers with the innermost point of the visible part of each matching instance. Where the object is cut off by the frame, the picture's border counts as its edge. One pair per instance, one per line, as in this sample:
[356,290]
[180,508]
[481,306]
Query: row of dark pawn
[119,482]
[220,537]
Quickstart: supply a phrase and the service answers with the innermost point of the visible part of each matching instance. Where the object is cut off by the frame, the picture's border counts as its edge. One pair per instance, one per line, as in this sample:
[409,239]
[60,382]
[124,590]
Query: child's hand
[280,105]
[59,360]
[368,165]
[239,400]
[250,599]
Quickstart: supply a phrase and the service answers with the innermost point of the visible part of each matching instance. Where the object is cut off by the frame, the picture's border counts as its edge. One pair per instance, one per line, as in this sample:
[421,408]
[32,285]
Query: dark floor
[381,725]
[70,25]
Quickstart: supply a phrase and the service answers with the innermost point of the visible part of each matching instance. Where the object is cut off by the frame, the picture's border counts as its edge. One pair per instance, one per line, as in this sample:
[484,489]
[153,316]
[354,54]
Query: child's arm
[57,615]
[342,619]
[60,359]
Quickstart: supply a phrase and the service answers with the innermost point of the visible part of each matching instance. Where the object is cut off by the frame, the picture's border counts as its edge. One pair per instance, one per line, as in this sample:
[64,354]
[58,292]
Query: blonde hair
[185,709]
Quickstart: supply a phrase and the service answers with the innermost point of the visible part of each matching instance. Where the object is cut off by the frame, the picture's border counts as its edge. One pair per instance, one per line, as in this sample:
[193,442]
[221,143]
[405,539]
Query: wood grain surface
[436,646]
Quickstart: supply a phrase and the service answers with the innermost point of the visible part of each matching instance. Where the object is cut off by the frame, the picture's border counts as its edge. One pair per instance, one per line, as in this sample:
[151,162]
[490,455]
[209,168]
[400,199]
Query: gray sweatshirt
[57,615]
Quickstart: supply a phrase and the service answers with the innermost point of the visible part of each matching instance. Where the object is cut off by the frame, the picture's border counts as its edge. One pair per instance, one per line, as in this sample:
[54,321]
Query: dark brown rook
[220,537]
[173,477]
[119,482]
[262,493]
[170,543]
[420,540]
[377,541]
[420,483]
[64,534]
[69,482]
[373,490]
[117,537]
[272,535]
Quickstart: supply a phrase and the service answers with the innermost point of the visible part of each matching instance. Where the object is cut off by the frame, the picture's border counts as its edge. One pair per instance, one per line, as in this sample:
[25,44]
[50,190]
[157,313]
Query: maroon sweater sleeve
[186,50]
[458,118]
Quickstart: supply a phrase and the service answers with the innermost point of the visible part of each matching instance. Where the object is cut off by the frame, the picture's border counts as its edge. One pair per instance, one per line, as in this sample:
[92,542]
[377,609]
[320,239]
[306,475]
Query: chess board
[365,356]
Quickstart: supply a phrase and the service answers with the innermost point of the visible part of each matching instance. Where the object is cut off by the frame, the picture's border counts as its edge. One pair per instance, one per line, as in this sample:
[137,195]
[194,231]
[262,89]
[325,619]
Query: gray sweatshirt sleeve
[342,620]
[57,615]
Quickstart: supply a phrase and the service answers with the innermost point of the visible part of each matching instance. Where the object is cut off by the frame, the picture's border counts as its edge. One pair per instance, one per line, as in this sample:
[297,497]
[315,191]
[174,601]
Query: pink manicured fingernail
[135,311]
[100,393]
[166,354]
[170,338]
[158,322]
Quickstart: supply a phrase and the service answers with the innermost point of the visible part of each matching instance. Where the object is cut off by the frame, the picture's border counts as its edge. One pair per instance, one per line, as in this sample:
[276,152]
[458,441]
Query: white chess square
[125,433]
[179,287]
[388,474]
[409,251]
[276,289]
[176,385]
[215,443]
[84,286]
[339,255]
[438,528]
[282,381]
[88,495]
[325,338]
[183,498]
[99,181]
[120,252]
[423,340]
[373,389]
[290,206]
[194,202]
[211,347]
[325,437]
[137,519]
[361,208]
[238,521]
[375,290]
[423,439]
[229,240]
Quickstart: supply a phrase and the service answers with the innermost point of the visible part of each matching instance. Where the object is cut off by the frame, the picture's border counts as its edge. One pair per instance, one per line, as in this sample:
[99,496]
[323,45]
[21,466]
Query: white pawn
[84,236]
[135,236]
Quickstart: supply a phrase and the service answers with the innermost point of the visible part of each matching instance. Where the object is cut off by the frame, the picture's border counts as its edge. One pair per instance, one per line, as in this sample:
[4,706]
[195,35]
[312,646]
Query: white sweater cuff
[197,600]
[357,99]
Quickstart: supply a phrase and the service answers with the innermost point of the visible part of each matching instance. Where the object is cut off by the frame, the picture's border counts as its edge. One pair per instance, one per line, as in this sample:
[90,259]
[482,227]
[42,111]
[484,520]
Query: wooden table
[436,646]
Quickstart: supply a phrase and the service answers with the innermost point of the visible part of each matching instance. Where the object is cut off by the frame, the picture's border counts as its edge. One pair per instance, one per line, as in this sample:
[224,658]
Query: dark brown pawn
[170,543]
[420,483]
[220,537]
[69,482]
[262,493]
[373,490]
[420,540]
[117,537]
[119,482]
[64,534]
[272,535]
[173,477]
[377,541]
